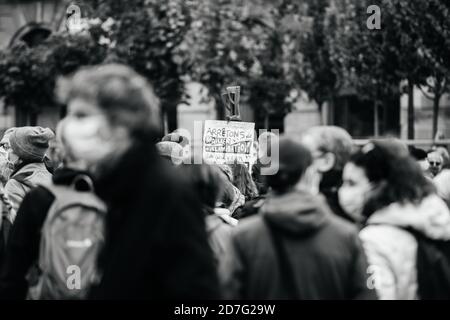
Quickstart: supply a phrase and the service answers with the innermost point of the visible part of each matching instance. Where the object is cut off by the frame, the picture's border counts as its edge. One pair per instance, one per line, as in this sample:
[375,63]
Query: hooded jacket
[392,251]
[23,180]
[324,251]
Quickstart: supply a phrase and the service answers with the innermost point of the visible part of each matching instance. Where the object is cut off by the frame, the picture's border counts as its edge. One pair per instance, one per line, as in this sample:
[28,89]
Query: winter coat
[392,251]
[442,183]
[22,251]
[219,227]
[156,245]
[323,250]
[23,180]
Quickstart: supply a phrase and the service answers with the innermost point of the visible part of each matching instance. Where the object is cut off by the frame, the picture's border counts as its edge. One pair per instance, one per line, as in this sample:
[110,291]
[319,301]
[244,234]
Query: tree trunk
[410,110]
[266,121]
[376,123]
[219,106]
[172,120]
[436,99]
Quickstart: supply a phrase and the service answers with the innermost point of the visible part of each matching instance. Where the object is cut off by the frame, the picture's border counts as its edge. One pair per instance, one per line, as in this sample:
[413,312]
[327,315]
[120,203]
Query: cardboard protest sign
[226,142]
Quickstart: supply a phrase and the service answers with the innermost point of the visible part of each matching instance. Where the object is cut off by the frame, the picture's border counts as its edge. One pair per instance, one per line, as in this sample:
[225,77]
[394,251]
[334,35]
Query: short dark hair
[294,159]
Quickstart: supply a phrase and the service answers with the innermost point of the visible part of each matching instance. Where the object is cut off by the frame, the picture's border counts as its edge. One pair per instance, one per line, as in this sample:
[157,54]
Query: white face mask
[89,139]
[353,198]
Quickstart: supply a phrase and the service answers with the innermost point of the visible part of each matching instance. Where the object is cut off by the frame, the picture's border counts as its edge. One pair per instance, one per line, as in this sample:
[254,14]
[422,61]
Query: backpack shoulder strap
[286,271]
[67,196]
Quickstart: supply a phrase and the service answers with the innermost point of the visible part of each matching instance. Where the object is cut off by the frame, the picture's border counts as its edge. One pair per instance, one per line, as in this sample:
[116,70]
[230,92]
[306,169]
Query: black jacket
[323,251]
[22,250]
[156,242]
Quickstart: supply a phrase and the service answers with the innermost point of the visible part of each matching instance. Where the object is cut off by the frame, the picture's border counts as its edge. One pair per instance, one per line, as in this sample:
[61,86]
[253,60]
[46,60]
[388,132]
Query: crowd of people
[106,194]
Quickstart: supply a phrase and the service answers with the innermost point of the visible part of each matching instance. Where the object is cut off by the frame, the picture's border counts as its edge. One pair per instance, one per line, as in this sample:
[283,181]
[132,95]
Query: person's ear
[326,162]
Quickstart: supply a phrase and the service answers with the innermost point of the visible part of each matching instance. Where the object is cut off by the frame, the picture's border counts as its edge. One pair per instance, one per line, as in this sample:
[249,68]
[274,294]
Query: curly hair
[124,95]
[397,177]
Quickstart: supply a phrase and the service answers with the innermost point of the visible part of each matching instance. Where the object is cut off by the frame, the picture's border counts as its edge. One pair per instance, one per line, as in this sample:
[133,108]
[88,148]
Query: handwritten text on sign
[227,142]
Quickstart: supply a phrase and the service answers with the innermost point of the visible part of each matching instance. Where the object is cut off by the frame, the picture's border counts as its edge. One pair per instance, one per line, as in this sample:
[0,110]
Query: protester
[6,209]
[420,156]
[391,194]
[156,245]
[20,269]
[208,185]
[5,166]
[254,200]
[436,163]
[264,154]
[331,148]
[28,148]
[442,183]
[243,181]
[443,151]
[295,248]
[258,176]
[232,198]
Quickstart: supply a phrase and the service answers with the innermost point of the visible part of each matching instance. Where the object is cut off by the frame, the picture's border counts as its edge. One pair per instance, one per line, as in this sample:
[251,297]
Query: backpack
[71,238]
[433,267]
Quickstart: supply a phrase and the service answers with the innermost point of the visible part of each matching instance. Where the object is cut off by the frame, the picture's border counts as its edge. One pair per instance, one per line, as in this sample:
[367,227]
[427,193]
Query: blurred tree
[433,17]
[234,42]
[29,73]
[145,35]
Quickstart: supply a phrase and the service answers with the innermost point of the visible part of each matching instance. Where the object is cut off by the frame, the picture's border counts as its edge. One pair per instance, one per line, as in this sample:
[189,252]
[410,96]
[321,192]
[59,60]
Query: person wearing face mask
[28,146]
[435,160]
[22,253]
[331,148]
[420,156]
[5,166]
[295,248]
[5,204]
[156,245]
[386,188]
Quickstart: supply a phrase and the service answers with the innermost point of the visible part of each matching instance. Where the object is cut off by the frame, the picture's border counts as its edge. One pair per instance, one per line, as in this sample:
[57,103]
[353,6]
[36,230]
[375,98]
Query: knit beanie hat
[31,143]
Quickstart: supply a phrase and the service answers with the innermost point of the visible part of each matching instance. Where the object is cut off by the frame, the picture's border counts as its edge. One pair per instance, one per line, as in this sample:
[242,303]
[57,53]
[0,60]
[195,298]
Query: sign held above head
[231,99]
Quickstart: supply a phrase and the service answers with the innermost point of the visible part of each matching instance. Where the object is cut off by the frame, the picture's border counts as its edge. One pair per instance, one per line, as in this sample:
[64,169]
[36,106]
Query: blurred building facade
[31,22]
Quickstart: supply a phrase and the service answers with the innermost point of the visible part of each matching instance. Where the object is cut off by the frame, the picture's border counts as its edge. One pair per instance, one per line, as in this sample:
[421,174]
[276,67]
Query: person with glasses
[436,161]
[330,147]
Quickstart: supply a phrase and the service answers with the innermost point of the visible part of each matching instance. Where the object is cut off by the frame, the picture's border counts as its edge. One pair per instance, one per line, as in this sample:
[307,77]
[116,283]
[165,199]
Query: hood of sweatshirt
[431,217]
[296,212]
